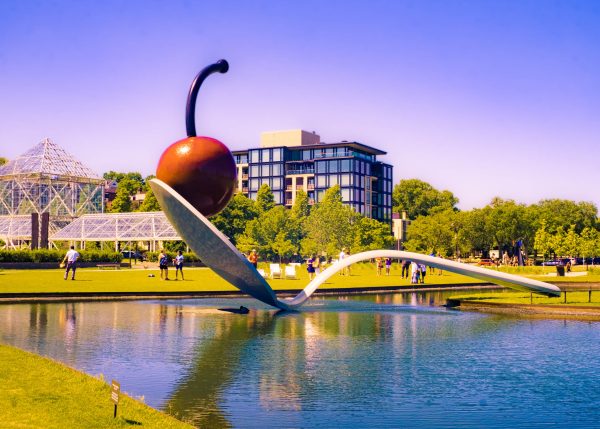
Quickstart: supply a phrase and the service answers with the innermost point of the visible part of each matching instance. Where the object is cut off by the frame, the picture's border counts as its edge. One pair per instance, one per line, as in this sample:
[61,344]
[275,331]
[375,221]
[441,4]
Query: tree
[271,233]
[122,201]
[3,160]
[570,245]
[150,203]
[419,198]
[428,234]
[301,208]
[264,199]
[508,222]
[329,227]
[564,213]
[370,234]
[590,243]
[544,241]
[232,220]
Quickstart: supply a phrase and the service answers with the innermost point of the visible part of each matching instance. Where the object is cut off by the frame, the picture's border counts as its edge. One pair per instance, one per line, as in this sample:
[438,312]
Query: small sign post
[115,390]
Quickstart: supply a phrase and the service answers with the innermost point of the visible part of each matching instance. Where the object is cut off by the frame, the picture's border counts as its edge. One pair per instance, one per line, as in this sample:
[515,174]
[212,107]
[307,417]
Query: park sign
[115,390]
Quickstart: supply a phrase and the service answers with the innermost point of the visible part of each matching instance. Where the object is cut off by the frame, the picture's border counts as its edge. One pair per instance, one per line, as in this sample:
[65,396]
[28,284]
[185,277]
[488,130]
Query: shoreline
[15,298]
[547,311]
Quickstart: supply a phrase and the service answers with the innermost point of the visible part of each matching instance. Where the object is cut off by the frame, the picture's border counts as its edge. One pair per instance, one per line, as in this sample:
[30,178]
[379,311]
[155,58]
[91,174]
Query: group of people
[163,264]
[380,262]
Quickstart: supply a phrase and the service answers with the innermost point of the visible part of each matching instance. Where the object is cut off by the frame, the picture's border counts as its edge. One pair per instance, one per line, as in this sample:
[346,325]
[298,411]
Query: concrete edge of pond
[579,312]
[112,296]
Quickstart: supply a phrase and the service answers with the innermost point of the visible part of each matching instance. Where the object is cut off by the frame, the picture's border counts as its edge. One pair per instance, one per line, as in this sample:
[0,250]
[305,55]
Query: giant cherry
[201,169]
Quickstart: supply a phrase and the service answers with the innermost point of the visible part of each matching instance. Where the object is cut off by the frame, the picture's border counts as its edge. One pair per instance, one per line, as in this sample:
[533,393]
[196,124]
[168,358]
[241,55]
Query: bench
[116,266]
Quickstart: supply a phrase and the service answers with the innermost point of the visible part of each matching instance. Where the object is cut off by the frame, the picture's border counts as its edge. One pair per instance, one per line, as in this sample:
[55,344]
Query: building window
[321,167]
[345,195]
[333,180]
[333,166]
[276,170]
[254,184]
[254,156]
[345,167]
[277,155]
[276,183]
[266,155]
[346,180]
[254,171]
[321,181]
[307,155]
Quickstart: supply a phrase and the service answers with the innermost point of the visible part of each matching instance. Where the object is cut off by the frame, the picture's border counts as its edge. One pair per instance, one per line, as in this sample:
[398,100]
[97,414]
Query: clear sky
[483,98]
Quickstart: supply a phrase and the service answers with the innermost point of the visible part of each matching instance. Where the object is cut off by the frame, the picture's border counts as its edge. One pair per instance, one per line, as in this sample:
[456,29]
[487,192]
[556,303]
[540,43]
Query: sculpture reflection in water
[218,253]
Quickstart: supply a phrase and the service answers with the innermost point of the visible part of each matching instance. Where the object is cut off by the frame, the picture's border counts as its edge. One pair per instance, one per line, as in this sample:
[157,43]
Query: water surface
[393,360]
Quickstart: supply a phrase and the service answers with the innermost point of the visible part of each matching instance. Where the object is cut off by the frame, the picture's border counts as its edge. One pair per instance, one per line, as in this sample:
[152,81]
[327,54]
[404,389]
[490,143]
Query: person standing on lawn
[71,262]
[163,264]
[178,262]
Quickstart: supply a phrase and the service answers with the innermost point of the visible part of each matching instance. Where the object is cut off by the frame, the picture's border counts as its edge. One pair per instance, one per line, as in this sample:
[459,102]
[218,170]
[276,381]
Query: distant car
[129,254]
[486,263]
[555,262]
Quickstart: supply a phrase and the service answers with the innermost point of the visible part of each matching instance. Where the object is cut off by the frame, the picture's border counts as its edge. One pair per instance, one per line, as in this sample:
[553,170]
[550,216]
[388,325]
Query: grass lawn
[39,392]
[204,280]
[508,297]
[196,279]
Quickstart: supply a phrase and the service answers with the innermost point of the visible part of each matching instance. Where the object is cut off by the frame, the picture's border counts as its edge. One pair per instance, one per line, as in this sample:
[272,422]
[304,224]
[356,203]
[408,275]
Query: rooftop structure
[289,161]
[48,179]
[133,227]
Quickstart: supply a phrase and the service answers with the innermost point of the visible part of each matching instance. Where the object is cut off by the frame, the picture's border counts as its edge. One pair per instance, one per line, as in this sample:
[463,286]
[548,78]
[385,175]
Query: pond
[389,360]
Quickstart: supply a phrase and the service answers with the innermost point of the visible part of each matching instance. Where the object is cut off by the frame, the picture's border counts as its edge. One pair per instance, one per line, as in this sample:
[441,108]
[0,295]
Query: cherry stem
[220,66]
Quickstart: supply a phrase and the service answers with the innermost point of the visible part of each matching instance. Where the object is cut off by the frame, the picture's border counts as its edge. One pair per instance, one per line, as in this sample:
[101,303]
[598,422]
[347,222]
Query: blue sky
[484,98]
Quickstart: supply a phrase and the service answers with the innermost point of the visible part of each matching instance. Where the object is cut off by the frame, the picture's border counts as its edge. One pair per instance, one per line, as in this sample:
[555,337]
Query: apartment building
[289,161]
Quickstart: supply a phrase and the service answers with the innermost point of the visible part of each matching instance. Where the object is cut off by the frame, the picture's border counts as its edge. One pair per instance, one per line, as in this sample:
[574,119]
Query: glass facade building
[365,182]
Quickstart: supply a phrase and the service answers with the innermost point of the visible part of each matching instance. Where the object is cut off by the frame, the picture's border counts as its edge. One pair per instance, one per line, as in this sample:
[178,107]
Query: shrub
[53,255]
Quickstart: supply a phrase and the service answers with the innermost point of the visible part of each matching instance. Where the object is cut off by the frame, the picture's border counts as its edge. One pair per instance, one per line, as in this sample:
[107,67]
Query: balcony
[245,189]
[289,188]
[311,187]
[301,171]
[245,176]
[288,202]
[311,201]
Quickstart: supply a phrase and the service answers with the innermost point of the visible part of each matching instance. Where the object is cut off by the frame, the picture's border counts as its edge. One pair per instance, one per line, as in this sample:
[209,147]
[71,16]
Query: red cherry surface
[202,170]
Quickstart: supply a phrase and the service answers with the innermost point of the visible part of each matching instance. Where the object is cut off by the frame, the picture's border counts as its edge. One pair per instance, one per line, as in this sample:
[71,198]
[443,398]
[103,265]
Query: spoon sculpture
[217,252]
[196,178]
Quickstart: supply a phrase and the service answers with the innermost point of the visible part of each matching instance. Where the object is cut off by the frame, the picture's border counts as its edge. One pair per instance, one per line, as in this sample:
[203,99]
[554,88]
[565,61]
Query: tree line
[552,227]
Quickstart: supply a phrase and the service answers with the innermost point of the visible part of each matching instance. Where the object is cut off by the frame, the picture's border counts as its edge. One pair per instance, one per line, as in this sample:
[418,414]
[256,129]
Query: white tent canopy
[132,227]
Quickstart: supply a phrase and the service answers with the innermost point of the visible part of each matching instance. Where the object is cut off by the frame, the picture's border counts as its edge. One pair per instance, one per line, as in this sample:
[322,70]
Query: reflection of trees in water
[197,397]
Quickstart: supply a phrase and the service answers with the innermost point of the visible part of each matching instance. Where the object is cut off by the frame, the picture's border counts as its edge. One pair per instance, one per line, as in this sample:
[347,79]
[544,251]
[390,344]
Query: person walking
[341,257]
[414,268]
[379,264]
[178,262]
[388,266]
[163,264]
[423,269]
[405,268]
[317,264]
[70,260]
[310,268]
[253,258]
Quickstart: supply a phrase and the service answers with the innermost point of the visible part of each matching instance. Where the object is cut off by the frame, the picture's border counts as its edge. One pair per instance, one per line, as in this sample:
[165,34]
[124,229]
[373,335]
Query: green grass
[91,280]
[542,274]
[37,392]
[196,279]
[508,297]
